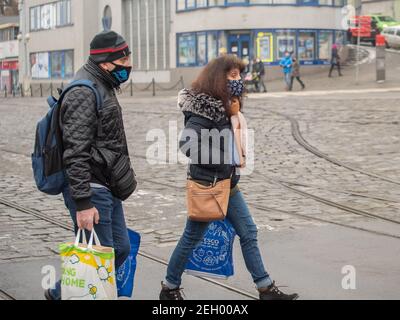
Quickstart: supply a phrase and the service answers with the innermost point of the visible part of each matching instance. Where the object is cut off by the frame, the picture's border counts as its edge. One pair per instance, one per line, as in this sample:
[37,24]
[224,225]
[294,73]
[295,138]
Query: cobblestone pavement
[361,129]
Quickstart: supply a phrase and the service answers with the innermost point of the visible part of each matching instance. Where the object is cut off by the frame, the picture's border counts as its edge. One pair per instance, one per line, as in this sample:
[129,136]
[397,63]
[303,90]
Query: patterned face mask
[236,87]
[121,73]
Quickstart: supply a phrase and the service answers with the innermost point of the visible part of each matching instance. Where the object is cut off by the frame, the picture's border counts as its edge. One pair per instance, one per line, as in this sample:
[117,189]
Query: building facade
[9,30]
[385,7]
[174,38]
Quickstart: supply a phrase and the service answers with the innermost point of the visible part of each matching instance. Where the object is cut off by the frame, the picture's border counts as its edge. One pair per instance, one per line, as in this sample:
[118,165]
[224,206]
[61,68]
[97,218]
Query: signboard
[361,25]
[9,49]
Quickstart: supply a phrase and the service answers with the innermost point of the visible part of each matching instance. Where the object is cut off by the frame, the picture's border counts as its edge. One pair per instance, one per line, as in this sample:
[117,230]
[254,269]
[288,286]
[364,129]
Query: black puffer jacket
[92,141]
[206,113]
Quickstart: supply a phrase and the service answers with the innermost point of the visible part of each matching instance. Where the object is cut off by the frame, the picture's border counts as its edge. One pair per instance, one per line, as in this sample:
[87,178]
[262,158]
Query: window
[326,2]
[47,16]
[63,13]
[212,46]
[201,3]
[180,5]
[201,49]
[325,45]
[56,64]
[190,4]
[306,46]
[40,65]
[52,65]
[215,3]
[260,1]
[285,1]
[228,2]
[51,15]
[35,18]
[187,49]
[339,37]
[264,46]
[285,41]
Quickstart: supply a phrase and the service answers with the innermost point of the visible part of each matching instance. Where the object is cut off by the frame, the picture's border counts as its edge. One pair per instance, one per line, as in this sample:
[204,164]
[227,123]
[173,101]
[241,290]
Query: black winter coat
[92,140]
[206,113]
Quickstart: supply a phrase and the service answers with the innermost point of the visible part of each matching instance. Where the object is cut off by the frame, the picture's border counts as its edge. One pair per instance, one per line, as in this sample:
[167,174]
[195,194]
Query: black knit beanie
[108,46]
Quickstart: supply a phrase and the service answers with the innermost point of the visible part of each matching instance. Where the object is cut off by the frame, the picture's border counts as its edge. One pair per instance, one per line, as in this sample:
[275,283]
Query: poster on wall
[40,65]
[265,47]
[187,47]
[306,46]
[325,45]
[285,43]
[47,15]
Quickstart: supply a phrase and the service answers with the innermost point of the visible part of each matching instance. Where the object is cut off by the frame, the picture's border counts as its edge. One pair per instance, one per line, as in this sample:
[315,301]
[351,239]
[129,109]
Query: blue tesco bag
[126,272]
[213,258]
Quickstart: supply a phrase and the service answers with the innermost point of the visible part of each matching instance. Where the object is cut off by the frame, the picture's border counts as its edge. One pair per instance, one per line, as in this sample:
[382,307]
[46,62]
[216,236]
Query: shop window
[211,46]
[69,64]
[187,50]
[306,46]
[201,3]
[40,65]
[215,3]
[265,47]
[190,4]
[56,64]
[285,1]
[201,49]
[260,1]
[325,45]
[181,5]
[285,41]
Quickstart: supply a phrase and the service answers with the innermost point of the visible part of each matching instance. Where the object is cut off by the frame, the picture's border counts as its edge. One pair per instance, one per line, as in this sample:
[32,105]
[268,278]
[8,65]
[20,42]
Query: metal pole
[164,35]
[147,36]
[131,87]
[155,36]
[139,38]
[154,87]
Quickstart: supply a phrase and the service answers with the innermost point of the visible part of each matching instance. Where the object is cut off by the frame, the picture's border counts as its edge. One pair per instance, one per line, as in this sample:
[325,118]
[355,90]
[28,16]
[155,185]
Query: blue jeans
[111,230]
[239,216]
[288,80]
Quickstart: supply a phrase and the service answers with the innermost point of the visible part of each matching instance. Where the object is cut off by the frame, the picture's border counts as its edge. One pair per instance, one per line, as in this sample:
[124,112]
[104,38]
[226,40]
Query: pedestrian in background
[335,60]
[296,74]
[212,104]
[259,73]
[286,64]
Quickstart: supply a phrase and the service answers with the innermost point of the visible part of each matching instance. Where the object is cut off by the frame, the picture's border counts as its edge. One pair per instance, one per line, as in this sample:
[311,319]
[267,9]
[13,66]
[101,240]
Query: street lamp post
[25,37]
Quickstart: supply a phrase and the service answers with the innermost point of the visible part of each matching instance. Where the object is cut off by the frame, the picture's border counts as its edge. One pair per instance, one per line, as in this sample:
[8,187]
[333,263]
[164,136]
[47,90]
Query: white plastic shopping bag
[88,271]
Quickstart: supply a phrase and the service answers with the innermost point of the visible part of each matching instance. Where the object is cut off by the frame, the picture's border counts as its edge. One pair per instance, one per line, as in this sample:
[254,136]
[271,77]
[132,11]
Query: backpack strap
[83,83]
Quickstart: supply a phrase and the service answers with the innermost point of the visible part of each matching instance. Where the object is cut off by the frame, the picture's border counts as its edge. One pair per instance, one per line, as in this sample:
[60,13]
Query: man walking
[95,148]
[286,64]
[259,73]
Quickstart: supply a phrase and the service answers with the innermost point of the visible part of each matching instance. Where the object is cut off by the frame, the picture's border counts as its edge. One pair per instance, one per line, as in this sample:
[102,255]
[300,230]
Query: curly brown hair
[212,80]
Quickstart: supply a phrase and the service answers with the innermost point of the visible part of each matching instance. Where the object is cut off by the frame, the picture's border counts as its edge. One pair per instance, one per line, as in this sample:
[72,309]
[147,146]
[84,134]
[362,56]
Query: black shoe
[170,294]
[47,295]
[273,293]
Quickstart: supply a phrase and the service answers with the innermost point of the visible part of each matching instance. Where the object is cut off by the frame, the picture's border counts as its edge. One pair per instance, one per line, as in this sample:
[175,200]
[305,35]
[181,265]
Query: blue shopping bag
[126,272]
[214,256]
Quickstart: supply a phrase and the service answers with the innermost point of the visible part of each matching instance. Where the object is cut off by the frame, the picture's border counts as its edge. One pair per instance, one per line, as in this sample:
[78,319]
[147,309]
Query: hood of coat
[202,105]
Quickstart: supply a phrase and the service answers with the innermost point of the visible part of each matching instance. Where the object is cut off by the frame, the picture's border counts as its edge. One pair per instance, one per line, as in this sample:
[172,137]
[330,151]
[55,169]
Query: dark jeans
[299,81]
[111,230]
[260,83]
[333,66]
[239,216]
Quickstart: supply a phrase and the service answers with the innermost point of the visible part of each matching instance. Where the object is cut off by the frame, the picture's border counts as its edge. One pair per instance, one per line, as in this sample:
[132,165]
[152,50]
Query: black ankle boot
[273,293]
[170,294]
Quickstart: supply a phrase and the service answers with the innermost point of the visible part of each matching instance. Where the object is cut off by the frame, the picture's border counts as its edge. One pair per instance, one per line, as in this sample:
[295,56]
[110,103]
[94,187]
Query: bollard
[21,88]
[41,91]
[5,91]
[182,82]
[51,88]
[380,59]
[30,88]
[154,87]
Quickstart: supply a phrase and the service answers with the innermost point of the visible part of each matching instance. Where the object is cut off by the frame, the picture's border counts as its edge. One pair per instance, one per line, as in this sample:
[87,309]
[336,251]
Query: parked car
[383,21]
[392,37]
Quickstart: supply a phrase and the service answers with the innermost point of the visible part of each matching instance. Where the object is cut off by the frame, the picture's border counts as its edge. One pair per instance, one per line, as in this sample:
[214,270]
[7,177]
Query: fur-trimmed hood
[201,104]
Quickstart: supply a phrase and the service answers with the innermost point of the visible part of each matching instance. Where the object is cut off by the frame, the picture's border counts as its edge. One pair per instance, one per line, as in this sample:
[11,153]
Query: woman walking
[296,74]
[213,103]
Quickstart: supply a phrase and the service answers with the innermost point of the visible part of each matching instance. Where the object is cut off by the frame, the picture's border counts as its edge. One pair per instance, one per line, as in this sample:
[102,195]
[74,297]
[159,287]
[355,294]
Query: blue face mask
[121,73]
[236,87]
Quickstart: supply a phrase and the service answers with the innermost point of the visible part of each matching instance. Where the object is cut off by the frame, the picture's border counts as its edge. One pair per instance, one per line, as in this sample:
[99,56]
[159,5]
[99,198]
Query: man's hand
[85,218]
